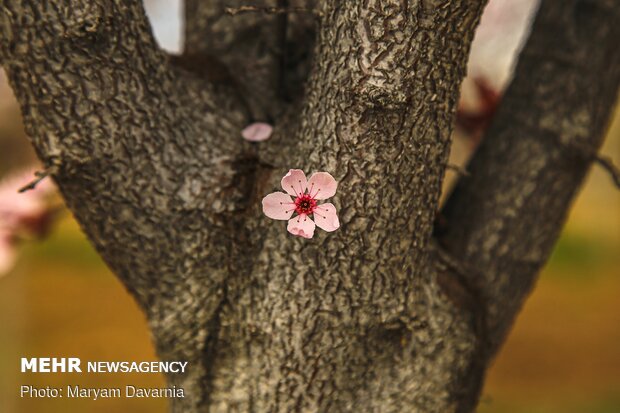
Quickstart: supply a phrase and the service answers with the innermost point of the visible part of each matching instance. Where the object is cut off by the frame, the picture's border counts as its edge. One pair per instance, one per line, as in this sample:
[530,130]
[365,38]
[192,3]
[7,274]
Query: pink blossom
[301,197]
[26,213]
[257,132]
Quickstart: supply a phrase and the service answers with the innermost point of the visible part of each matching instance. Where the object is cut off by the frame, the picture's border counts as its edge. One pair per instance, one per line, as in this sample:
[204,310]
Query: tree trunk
[382,315]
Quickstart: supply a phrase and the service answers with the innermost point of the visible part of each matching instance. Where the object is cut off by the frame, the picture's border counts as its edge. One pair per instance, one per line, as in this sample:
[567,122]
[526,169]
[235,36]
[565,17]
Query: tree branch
[377,116]
[608,165]
[504,219]
[386,118]
[143,155]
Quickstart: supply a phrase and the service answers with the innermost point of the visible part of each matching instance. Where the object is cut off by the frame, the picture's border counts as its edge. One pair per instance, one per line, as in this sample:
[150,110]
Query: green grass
[581,255]
[64,246]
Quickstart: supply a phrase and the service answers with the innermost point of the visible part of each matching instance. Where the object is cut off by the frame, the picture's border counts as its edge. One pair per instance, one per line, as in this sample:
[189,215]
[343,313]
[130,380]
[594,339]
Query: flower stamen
[305,204]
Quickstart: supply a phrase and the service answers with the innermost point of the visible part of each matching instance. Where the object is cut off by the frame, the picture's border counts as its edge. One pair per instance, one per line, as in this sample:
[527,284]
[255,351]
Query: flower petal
[326,218]
[278,205]
[302,226]
[294,182]
[322,185]
[257,132]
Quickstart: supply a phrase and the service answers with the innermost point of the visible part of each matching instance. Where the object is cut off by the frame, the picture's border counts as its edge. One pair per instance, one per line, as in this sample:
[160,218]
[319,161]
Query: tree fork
[378,316]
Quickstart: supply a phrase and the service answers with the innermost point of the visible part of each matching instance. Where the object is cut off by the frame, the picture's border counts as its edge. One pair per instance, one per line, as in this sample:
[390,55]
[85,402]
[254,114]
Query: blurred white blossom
[502,31]
[503,28]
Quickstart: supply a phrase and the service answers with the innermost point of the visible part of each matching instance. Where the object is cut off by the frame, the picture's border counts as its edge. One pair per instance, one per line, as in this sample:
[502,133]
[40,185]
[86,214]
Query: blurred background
[58,299]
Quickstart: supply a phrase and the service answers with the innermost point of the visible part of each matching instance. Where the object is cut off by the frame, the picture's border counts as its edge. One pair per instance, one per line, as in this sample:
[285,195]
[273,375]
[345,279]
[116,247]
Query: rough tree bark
[384,315]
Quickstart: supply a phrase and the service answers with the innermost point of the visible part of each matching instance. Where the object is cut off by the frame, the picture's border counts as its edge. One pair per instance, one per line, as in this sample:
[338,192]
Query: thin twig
[604,162]
[458,169]
[39,176]
[607,164]
[233,11]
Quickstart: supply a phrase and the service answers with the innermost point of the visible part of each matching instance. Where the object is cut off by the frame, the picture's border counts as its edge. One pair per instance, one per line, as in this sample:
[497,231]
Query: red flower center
[305,204]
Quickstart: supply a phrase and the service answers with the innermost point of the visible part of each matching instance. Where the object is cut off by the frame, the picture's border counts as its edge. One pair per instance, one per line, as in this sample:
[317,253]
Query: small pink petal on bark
[257,132]
[322,185]
[294,182]
[278,205]
[302,226]
[326,218]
